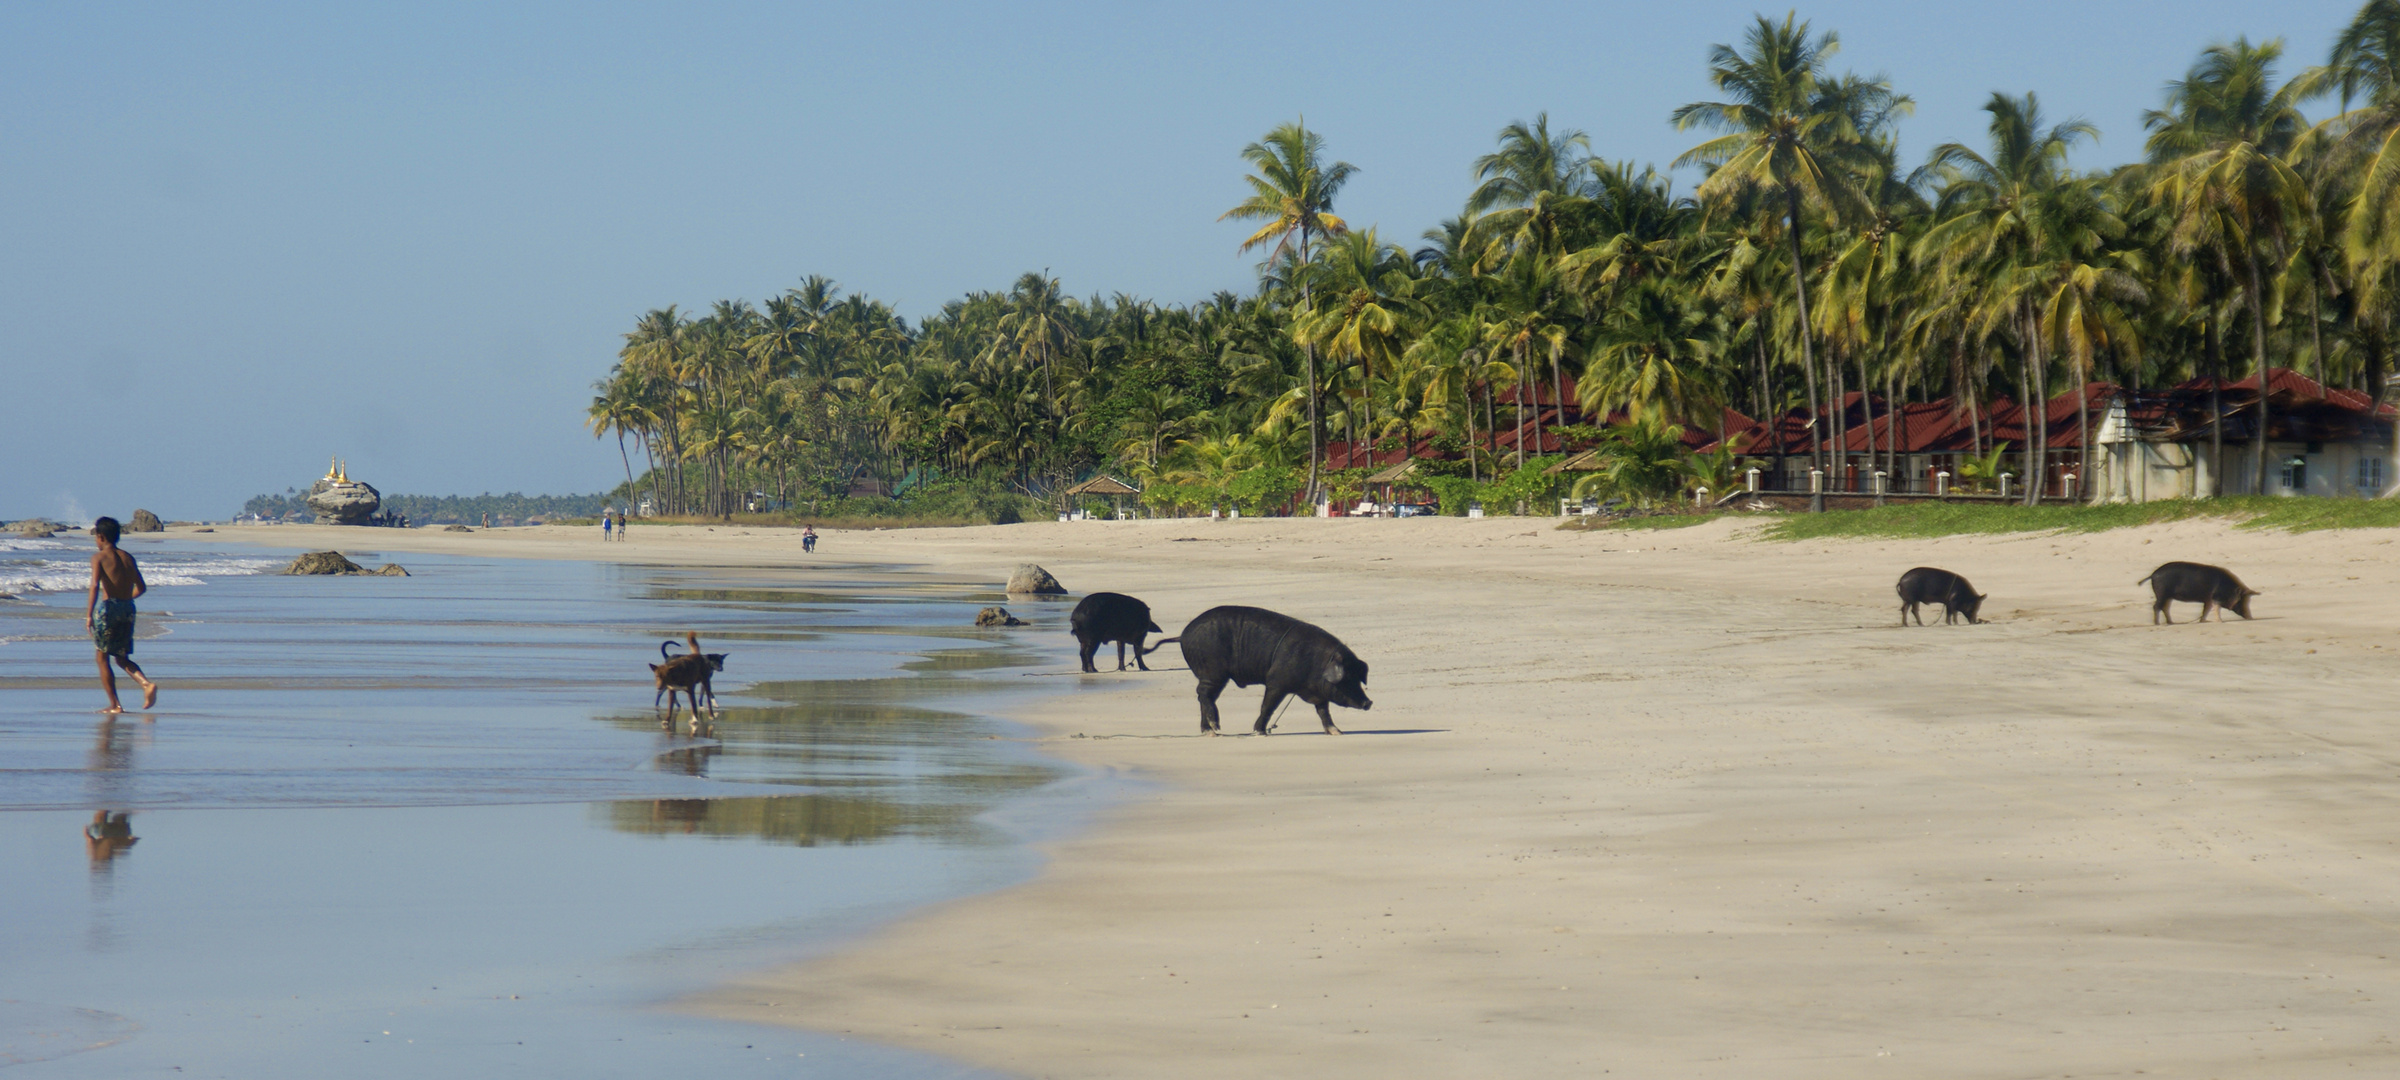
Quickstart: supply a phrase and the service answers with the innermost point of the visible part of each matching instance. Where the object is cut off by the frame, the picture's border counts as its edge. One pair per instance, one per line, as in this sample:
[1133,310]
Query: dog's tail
[1162,643]
[663,646]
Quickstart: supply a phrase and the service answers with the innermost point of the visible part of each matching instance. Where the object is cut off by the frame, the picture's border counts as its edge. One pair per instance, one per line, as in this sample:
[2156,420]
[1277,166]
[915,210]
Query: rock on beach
[1031,580]
[996,616]
[145,522]
[348,503]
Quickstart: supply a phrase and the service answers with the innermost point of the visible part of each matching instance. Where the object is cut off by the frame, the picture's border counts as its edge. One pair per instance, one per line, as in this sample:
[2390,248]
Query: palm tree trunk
[2258,348]
[2083,429]
[628,460]
[2316,325]
[1766,398]
[1523,380]
[1866,408]
[2041,389]
[1837,402]
[1800,299]
[1558,394]
[2025,414]
[2214,336]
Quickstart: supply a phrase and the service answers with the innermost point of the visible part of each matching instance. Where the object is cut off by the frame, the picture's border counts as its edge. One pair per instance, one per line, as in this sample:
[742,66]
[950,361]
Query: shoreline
[1680,803]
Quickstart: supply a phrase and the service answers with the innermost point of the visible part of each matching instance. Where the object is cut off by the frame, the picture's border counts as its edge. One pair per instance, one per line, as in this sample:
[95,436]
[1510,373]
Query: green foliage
[1982,473]
[1528,484]
[1265,489]
[1645,464]
[1916,520]
[964,501]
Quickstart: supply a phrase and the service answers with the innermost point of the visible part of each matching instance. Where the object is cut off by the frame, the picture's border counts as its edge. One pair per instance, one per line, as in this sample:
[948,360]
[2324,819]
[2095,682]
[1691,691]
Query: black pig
[1103,617]
[1926,585]
[1249,646]
[2214,588]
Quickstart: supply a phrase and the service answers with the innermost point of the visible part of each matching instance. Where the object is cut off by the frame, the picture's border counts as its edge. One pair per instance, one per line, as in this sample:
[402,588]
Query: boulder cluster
[336,564]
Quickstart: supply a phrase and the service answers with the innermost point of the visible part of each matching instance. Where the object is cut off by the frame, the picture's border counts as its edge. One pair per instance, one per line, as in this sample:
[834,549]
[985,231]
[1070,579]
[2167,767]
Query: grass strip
[1930,519]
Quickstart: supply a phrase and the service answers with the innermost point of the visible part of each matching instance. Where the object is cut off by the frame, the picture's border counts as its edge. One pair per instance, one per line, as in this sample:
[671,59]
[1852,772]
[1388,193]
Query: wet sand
[1675,803]
[429,826]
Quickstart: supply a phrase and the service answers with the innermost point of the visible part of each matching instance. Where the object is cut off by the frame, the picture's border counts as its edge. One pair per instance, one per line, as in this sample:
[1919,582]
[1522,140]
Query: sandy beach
[1666,803]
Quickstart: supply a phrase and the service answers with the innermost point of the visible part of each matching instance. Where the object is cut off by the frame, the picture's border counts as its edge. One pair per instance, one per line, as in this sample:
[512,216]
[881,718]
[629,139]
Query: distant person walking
[608,525]
[621,533]
[487,521]
[116,577]
[808,538]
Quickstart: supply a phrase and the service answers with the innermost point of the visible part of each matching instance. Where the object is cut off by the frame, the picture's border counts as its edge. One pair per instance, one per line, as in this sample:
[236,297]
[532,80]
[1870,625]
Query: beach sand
[1667,803]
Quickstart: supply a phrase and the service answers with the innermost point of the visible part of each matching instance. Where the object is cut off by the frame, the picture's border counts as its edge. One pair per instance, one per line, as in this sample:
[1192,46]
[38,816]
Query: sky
[238,239]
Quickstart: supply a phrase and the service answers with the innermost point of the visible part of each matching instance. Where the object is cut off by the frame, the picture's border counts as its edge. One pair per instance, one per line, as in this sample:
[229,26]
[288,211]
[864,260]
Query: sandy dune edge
[1678,804]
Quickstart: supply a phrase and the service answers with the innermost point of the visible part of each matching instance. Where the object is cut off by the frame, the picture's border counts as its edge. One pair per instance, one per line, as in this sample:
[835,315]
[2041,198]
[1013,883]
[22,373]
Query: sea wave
[21,576]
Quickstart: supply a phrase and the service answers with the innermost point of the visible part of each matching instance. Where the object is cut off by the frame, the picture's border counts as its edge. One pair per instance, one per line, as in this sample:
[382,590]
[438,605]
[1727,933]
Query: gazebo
[1587,461]
[1403,473]
[1105,484]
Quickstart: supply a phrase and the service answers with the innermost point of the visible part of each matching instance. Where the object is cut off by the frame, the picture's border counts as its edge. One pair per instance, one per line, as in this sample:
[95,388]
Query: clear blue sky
[241,238]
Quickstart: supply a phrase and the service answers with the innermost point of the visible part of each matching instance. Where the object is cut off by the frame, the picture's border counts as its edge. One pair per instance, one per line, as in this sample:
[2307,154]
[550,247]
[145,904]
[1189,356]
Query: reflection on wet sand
[109,835]
[802,820]
[885,766]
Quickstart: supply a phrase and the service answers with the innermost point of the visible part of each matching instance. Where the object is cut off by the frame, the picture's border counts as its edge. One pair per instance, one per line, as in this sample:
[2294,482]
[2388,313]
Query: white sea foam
[31,575]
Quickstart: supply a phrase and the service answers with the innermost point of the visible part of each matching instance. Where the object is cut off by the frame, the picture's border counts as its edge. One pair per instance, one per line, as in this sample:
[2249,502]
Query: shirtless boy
[111,620]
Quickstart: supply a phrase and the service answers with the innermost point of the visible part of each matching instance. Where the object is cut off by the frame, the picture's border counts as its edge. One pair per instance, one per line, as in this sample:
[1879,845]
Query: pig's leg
[1120,656]
[1266,710]
[1325,716]
[2159,611]
[1904,614]
[1088,646]
[1137,655]
[1209,689]
[2207,606]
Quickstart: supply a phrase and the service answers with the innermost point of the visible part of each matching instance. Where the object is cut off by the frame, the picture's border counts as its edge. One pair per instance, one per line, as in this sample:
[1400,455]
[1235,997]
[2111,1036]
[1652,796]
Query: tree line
[512,508]
[1809,263]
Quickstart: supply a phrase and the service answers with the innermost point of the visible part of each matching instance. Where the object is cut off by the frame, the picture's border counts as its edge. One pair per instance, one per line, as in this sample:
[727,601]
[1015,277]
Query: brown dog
[688,673]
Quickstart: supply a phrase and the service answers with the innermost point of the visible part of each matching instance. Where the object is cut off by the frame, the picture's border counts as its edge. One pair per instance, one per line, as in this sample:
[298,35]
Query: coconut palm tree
[1791,130]
[1994,212]
[1657,356]
[1362,313]
[1292,193]
[2221,147]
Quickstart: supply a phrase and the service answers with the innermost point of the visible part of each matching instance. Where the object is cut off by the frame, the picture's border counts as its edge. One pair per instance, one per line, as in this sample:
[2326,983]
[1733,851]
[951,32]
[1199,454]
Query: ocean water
[432,826]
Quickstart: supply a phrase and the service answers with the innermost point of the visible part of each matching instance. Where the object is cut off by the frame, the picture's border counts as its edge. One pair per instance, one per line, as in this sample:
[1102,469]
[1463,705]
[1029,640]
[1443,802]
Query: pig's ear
[1333,670]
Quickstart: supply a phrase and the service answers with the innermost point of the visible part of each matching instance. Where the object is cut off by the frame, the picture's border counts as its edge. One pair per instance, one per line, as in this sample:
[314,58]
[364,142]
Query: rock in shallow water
[997,616]
[324,562]
[1033,580]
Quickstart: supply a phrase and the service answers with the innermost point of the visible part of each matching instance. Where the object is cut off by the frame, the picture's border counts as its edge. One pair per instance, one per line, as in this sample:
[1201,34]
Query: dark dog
[688,673]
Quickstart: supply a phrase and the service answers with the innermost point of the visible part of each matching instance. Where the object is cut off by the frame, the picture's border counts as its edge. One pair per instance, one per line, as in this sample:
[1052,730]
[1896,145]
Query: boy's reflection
[110,834]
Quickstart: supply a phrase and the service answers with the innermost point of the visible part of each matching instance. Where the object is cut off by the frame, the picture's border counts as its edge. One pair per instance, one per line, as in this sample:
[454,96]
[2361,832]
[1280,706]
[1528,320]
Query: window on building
[2295,474]
[2370,475]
